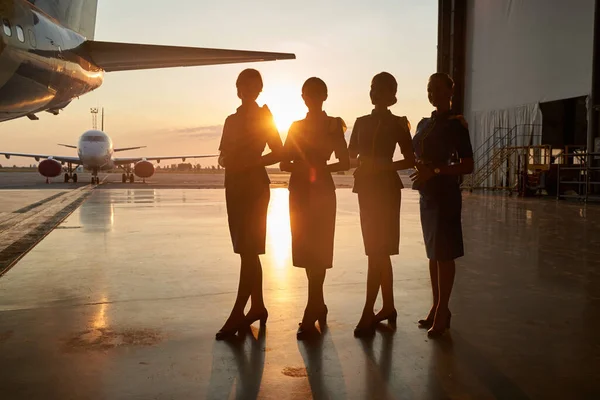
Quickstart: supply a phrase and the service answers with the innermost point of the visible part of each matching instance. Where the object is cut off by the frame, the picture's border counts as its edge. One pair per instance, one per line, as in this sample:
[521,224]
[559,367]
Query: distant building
[184,167]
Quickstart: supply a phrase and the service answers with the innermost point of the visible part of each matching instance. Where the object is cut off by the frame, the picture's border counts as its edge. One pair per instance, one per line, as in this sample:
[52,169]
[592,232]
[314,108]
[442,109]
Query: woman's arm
[464,152]
[340,149]
[273,140]
[353,147]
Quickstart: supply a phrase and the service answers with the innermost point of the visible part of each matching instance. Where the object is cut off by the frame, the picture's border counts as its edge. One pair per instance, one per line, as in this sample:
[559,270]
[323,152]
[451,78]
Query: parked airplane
[95,153]
[48,56]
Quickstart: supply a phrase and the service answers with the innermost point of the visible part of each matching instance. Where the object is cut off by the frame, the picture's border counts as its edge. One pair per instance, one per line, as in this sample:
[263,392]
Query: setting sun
[286,104]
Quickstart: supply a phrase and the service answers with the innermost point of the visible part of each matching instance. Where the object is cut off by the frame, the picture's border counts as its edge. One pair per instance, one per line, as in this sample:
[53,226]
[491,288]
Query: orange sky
[181,111]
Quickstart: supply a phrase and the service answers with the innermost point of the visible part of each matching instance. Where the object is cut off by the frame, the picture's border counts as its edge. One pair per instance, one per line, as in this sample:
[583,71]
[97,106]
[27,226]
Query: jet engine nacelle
[49,168]
[143,169]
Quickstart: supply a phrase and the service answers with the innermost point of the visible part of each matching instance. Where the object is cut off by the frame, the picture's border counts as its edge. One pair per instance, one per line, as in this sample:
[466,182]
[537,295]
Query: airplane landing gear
[95,179]
[127,175]
[69,175]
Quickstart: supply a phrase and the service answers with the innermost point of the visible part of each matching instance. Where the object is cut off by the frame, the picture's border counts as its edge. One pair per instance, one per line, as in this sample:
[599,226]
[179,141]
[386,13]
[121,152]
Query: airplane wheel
[124,178]
[75,178]
[93,180]
[97,180]
[131,178]
[66,178]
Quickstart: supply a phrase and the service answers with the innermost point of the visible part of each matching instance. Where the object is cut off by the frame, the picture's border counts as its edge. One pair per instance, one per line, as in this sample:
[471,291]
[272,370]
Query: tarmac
[117,290]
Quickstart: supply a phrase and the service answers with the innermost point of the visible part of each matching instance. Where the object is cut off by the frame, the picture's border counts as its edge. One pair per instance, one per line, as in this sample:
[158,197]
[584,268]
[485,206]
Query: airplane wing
[130,160]
[129,148]
[38,157]
[114,56]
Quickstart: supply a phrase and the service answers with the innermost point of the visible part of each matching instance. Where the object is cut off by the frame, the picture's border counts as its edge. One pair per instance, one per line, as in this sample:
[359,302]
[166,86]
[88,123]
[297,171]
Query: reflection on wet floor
[126,303]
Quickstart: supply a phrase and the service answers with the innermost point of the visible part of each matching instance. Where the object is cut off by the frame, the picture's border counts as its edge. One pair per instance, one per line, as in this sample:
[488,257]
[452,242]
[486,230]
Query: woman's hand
[286,166]
[372,165]
[422,174]
[234,164]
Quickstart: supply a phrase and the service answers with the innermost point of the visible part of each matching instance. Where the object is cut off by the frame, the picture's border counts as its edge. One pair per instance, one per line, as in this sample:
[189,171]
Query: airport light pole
[94,112]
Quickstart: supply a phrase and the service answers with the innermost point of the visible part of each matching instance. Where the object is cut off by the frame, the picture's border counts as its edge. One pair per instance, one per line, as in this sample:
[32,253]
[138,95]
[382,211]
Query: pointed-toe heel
[226,334]
[323,317]
[306,333]
[263,320]
[425,323]
[364,331]
[262,317]
[391,318]
[434,333]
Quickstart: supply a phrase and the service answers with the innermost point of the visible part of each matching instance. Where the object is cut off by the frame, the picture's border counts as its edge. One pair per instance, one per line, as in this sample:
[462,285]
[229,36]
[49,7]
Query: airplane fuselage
[40,68]
[95,150]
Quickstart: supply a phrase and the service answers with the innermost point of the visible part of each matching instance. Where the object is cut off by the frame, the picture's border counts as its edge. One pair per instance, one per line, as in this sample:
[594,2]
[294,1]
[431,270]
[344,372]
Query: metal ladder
[496,152]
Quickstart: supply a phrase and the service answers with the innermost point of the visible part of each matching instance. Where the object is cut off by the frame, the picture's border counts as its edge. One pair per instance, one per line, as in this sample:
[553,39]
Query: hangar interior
[526,81]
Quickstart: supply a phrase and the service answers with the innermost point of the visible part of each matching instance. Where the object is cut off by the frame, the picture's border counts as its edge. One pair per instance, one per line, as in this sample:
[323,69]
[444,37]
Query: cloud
[203,131]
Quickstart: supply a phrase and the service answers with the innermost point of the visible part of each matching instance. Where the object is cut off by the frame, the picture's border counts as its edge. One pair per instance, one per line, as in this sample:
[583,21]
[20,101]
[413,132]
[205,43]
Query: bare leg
[433,275]
[316,301]
[258,304]
[446,272]
[247,277]
[387,286]
[317,279]
[373,283]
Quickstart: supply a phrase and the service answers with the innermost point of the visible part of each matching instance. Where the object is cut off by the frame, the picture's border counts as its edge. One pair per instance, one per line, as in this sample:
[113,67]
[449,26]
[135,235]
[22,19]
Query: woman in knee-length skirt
[439,141]
[245,135]
[309,145]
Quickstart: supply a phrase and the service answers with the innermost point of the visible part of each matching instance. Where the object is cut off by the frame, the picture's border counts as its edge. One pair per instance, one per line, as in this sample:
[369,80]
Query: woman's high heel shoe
[225,334]
[425,323]
[365,329]
[323,318]
[307,332]
[435,333]
[391,318]
[262,317]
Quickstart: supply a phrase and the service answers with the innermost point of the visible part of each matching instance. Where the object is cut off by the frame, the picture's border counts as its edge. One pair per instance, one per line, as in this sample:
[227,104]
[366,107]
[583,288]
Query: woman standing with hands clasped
[309,145]
[376,181]
[438,141]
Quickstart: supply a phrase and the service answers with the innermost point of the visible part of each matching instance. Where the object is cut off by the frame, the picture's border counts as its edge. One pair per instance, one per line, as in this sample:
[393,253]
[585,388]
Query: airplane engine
[143,169]
[49,168]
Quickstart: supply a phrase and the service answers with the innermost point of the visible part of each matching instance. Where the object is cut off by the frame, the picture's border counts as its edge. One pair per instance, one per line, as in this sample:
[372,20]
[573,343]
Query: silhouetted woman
[309,145]
[376,181]
[438,140]
[245,135]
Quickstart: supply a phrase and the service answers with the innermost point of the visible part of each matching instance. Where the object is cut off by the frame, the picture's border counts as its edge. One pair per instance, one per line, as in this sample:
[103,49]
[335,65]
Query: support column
[594,103]
[452,20]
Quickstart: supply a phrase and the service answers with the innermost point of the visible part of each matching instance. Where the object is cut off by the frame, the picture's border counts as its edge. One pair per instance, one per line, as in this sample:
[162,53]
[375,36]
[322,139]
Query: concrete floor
[122,301]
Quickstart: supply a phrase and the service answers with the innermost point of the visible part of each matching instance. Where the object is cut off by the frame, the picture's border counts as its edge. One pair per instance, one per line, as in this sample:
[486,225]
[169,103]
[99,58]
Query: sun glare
[285,103]
[279,236]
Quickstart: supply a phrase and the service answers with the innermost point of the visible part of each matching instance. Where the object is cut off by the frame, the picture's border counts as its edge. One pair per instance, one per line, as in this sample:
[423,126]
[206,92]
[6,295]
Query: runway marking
[32,226]
[39,203]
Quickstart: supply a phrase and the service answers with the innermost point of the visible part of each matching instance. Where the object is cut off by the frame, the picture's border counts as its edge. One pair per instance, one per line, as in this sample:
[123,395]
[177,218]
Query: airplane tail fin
[78,15]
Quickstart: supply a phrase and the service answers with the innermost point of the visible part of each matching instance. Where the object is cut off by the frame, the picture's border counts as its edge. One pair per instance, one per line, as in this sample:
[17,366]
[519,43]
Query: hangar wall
[520,53]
